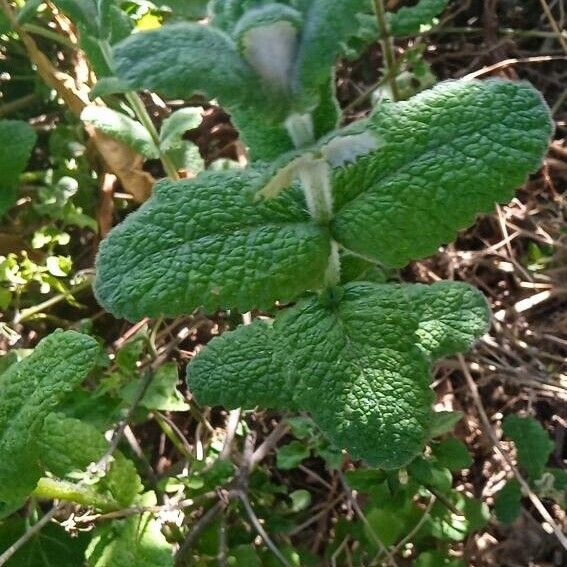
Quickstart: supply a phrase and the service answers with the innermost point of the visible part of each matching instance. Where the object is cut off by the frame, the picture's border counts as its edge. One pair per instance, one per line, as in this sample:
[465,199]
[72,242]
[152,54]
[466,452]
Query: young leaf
[532,443]
[135,541]
[17,139]
[409,20]
[184,154]
[162,393]
[267,38]
[31,389]
[358,360]
[443,422]
[326,25]
[205,242]
[452,454]
[121,127]
[458,147]
[175,126]
[291,455]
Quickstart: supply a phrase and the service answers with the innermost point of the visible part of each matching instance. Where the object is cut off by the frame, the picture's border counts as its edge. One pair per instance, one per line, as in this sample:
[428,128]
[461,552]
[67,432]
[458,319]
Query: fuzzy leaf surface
[326,24]
[31,390]
[459,147]
[181,59]
[205,242]
[17,139]
[357,360]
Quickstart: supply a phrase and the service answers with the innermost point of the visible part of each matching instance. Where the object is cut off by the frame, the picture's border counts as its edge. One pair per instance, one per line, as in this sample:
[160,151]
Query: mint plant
[388,189]
[43,450]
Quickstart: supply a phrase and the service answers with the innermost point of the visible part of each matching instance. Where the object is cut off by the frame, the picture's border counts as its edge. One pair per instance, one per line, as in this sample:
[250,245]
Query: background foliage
[132,471]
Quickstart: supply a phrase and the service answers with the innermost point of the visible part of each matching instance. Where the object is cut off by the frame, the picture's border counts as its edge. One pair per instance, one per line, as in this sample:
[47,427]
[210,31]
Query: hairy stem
[55,489]
[315,176]
[387,47]
[300,129]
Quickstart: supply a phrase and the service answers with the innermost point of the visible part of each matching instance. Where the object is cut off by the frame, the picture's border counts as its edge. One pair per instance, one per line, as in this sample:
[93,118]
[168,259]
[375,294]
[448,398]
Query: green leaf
[31,390]
[300,500]
[365,480]
[326,25]
[162,393]
[358,359]
[410,20]
[291,455]
[121,127]
[184,154]
[452,454]
[430,474]
[458,147]
[182,59]
[135,541]
[386,524]
[532,441]
[443,422]
[508,502]
[175,126]
[69,445]
[205,242]
[17,139]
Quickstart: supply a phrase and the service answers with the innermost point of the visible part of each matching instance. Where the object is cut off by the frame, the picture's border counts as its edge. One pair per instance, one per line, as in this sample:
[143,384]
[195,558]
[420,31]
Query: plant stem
[31,311]
[315,177]
[387,47]
[55,489]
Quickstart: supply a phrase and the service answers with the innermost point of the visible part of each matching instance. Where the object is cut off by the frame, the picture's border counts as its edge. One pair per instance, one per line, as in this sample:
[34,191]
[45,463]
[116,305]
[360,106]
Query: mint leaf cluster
[385,190]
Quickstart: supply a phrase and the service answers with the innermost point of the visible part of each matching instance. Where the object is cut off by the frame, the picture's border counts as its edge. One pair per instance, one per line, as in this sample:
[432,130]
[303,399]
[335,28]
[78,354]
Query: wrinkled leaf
[358,361]
[459,147]
[195,244]
[31,390]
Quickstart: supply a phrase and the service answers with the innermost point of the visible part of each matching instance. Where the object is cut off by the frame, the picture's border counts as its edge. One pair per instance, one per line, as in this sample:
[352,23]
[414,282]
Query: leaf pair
[438,160]
[357,358]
